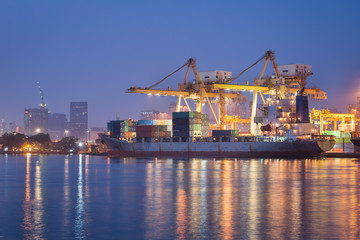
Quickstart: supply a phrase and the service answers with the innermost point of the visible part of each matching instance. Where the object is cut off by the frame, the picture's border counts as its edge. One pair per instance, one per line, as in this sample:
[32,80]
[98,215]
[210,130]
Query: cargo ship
[237,147]
[188,135]
[355,138]
[280,127]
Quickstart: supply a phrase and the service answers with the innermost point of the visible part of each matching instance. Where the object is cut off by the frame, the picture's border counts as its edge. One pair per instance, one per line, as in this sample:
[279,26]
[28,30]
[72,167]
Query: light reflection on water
[33,223]
[80,197]
[79,220]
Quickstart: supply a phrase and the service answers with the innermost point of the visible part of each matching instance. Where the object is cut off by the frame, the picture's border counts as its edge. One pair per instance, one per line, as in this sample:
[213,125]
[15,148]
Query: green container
[186,115]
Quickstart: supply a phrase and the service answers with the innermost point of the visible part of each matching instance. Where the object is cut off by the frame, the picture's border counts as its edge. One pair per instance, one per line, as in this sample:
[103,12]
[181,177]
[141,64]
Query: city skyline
[94,52]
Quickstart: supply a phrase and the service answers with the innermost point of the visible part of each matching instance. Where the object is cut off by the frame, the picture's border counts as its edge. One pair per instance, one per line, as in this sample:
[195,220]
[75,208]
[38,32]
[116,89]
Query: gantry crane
[199,91]
[324,118]
[202,92]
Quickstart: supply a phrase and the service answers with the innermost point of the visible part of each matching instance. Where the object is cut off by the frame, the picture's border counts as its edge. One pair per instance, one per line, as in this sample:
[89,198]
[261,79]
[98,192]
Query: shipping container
[186,115]
[147,122]
[187,133]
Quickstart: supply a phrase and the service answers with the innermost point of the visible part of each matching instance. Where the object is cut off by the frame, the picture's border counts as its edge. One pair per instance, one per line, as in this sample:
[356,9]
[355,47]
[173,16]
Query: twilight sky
[94,50]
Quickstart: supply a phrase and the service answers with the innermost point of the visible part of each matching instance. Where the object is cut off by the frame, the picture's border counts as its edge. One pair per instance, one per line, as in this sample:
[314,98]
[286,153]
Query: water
[82,197]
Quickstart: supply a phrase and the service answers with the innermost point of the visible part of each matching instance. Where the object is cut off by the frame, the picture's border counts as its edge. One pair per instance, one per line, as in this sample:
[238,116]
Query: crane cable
[232,79]
[168,76]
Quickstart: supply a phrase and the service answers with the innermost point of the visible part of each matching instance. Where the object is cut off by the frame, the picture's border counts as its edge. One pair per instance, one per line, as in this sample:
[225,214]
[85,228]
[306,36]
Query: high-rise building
[35,121]
[79,120]
[3,127]
[57,124]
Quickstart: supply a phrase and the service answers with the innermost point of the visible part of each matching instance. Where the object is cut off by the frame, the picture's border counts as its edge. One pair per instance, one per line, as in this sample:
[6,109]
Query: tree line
[41,142]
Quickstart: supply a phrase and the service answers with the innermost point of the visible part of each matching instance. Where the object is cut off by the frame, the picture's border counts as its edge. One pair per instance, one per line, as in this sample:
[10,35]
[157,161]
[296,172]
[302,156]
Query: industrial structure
[280,126]
[215,87]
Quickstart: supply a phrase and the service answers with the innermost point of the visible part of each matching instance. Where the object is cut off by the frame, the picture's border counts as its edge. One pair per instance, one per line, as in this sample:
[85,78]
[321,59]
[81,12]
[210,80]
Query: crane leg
[221,108]
[178,104]
[253,113]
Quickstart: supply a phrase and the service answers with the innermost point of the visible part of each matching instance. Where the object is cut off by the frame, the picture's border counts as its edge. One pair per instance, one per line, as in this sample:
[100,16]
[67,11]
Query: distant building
[94,134]
[79,120]
[172,108]
[149,114]
[3,127]
[57,124]
[12,127]
[35,121]
[9,127]
[153,115]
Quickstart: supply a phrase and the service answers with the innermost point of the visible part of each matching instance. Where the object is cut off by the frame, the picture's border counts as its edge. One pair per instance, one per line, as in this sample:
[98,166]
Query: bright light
[81,144]
[6,148]
[38,130]
[149,94]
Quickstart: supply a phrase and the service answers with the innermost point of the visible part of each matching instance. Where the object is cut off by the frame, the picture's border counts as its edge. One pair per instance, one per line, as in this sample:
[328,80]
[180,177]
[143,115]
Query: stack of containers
[205,130]
[153,128]
[186,124]
[113,128]
[122,128]
[225,133]
[128,129]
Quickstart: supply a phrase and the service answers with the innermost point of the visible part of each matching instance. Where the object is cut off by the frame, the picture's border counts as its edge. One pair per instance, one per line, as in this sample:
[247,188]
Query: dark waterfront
[89,197]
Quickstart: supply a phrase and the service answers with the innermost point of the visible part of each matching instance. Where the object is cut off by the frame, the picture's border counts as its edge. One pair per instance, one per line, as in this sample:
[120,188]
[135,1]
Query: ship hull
[356,142]
[296,149]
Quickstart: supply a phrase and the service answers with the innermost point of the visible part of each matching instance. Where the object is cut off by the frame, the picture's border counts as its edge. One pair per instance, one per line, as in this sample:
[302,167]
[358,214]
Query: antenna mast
[42,104]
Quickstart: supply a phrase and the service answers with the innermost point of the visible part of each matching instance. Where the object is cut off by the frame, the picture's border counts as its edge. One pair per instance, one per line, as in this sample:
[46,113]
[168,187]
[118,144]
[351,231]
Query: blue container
[146,122]
[181,121]
[302,109]
[181,133]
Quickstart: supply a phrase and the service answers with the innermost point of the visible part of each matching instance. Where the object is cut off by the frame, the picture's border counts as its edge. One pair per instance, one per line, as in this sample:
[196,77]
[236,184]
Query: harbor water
[94,197]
